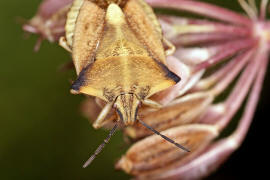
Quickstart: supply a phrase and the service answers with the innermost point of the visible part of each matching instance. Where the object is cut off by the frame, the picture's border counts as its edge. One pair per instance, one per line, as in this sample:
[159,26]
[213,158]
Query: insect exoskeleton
[118,53]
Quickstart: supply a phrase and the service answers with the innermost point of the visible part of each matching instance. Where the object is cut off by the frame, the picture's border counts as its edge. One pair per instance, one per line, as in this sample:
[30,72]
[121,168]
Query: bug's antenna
[100,147]
[163,136]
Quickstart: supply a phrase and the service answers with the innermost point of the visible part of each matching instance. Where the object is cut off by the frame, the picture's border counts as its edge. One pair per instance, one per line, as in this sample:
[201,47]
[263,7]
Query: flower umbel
[223,52]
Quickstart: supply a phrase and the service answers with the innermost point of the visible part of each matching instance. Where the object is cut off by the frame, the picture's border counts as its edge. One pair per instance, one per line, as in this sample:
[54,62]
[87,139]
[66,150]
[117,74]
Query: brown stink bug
[118,53]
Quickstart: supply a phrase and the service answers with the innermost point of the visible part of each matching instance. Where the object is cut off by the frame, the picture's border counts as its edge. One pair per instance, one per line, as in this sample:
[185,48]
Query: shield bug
[118,53]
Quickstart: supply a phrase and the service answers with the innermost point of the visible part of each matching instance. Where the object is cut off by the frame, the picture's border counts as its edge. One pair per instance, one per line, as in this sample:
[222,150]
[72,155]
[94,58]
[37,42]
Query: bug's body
[118,54]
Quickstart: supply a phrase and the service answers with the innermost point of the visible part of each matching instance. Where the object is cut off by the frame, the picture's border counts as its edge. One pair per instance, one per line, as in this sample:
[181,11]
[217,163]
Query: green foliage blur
[43,134]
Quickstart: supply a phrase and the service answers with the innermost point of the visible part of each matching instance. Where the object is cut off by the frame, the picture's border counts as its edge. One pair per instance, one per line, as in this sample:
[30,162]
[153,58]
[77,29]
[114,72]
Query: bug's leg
[151,103]
[63,43]
[171,47]
[102,115]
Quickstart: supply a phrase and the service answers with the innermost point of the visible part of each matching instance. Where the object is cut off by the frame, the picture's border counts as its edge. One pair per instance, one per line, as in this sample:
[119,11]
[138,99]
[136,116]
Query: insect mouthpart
[127,107]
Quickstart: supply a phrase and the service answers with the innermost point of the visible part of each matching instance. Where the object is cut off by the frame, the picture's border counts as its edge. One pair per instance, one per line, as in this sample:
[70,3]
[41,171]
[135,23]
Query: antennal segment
[100,147]
[163,136]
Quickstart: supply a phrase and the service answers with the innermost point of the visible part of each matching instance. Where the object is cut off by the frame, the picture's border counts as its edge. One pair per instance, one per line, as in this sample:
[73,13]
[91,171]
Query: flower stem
[201,8]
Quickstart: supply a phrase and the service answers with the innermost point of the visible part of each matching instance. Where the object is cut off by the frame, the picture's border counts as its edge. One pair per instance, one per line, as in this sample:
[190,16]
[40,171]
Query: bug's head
[127,107]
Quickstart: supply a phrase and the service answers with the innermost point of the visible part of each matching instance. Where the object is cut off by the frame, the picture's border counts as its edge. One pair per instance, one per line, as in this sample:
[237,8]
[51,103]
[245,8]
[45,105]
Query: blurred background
[43,135]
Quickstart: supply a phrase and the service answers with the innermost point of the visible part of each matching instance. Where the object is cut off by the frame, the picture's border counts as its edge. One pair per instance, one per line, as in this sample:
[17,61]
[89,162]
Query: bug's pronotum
[236,45]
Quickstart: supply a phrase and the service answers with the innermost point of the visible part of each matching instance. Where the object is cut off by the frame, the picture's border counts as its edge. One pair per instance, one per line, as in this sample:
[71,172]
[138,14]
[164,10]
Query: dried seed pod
[181,111]
[154,153]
